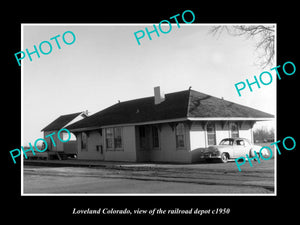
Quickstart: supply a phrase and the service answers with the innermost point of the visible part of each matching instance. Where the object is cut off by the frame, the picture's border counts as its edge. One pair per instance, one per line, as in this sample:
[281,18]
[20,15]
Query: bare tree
[263,134]
[265,38]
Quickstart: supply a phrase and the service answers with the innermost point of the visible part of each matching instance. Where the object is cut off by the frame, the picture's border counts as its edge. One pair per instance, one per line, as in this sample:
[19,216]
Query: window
[109,137]
[211,134]
[179,132]
[83,141]
[155,137]
[234,130]
[113,138]
[240,142]
[226,141]
[118,137]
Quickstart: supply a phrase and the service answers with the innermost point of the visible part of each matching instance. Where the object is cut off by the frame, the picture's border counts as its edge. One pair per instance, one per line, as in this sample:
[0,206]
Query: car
[232,148]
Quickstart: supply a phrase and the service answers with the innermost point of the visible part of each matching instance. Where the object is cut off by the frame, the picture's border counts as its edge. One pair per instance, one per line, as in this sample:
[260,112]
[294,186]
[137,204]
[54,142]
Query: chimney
[85,113]
[159,97]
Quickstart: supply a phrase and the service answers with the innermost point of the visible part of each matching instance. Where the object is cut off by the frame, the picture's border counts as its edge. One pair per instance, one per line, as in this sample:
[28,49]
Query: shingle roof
[203,105]
[60,122]
[177,105]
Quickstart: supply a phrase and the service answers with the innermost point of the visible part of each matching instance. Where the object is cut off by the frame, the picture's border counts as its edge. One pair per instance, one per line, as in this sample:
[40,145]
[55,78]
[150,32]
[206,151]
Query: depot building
[162,128]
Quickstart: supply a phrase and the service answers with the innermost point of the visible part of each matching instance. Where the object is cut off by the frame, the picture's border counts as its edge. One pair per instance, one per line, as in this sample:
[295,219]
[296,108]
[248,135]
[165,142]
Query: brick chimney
[159,97]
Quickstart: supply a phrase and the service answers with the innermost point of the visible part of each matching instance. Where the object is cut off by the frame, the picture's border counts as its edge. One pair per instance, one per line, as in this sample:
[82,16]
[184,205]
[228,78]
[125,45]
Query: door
[239,148]
[144,137]
[143,144]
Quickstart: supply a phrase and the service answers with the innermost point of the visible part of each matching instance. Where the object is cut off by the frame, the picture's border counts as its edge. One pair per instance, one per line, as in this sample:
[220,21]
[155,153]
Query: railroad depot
[162,128]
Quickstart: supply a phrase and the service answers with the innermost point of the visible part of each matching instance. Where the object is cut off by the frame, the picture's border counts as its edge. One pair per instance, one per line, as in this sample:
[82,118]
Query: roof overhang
[229,119]
[172,120]
[127,124]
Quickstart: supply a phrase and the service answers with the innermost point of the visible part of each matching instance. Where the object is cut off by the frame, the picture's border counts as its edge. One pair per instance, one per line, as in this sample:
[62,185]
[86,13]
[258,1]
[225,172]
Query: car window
[240,142]
[226,142]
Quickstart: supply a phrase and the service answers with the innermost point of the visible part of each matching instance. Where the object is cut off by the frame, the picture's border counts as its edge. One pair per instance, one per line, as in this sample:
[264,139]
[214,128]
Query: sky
[105,64]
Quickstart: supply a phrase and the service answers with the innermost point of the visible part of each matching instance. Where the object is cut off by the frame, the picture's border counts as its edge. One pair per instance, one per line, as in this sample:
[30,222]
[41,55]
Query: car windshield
[227,141]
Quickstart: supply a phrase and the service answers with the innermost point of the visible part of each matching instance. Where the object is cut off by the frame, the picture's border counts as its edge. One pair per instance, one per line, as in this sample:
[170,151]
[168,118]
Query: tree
[263,134]
[265,35]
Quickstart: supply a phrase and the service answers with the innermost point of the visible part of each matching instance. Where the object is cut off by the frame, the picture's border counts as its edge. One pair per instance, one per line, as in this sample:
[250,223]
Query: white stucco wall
[198,140]
[246,131]
[197,136]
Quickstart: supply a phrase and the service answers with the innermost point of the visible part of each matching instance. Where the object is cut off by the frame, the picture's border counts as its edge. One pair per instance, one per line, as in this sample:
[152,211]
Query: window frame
[232,135]
[239,142]
[179,147]
[154,137]
[209,133]
[110,138]
[113,138]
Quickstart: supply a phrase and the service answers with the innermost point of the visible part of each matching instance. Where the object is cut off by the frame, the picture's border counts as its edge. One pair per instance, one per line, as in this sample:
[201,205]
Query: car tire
[253,155]
[224,157]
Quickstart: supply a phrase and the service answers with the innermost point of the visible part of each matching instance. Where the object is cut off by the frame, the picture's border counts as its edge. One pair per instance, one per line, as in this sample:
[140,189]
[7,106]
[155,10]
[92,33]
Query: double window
[113,138]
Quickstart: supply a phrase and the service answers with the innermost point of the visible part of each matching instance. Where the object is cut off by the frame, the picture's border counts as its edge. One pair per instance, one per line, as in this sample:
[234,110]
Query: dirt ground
[136,178]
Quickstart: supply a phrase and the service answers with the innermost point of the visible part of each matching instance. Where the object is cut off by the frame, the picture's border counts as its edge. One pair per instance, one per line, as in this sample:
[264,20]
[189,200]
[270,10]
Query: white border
[144,194]
[22,101]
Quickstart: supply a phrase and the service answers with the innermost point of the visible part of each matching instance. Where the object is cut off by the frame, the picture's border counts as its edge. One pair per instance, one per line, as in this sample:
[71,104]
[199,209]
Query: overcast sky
[105,64]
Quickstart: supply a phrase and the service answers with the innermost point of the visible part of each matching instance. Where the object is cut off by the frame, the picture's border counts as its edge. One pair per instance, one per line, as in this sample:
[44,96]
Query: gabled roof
[181,105]
[61,121]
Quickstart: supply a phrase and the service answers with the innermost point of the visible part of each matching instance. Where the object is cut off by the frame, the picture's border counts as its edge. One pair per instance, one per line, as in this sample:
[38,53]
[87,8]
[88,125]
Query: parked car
[232,148]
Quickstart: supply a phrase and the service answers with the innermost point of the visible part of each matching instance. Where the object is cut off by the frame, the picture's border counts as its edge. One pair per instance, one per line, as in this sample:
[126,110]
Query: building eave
[127,124]
[229,119]
[172,120]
